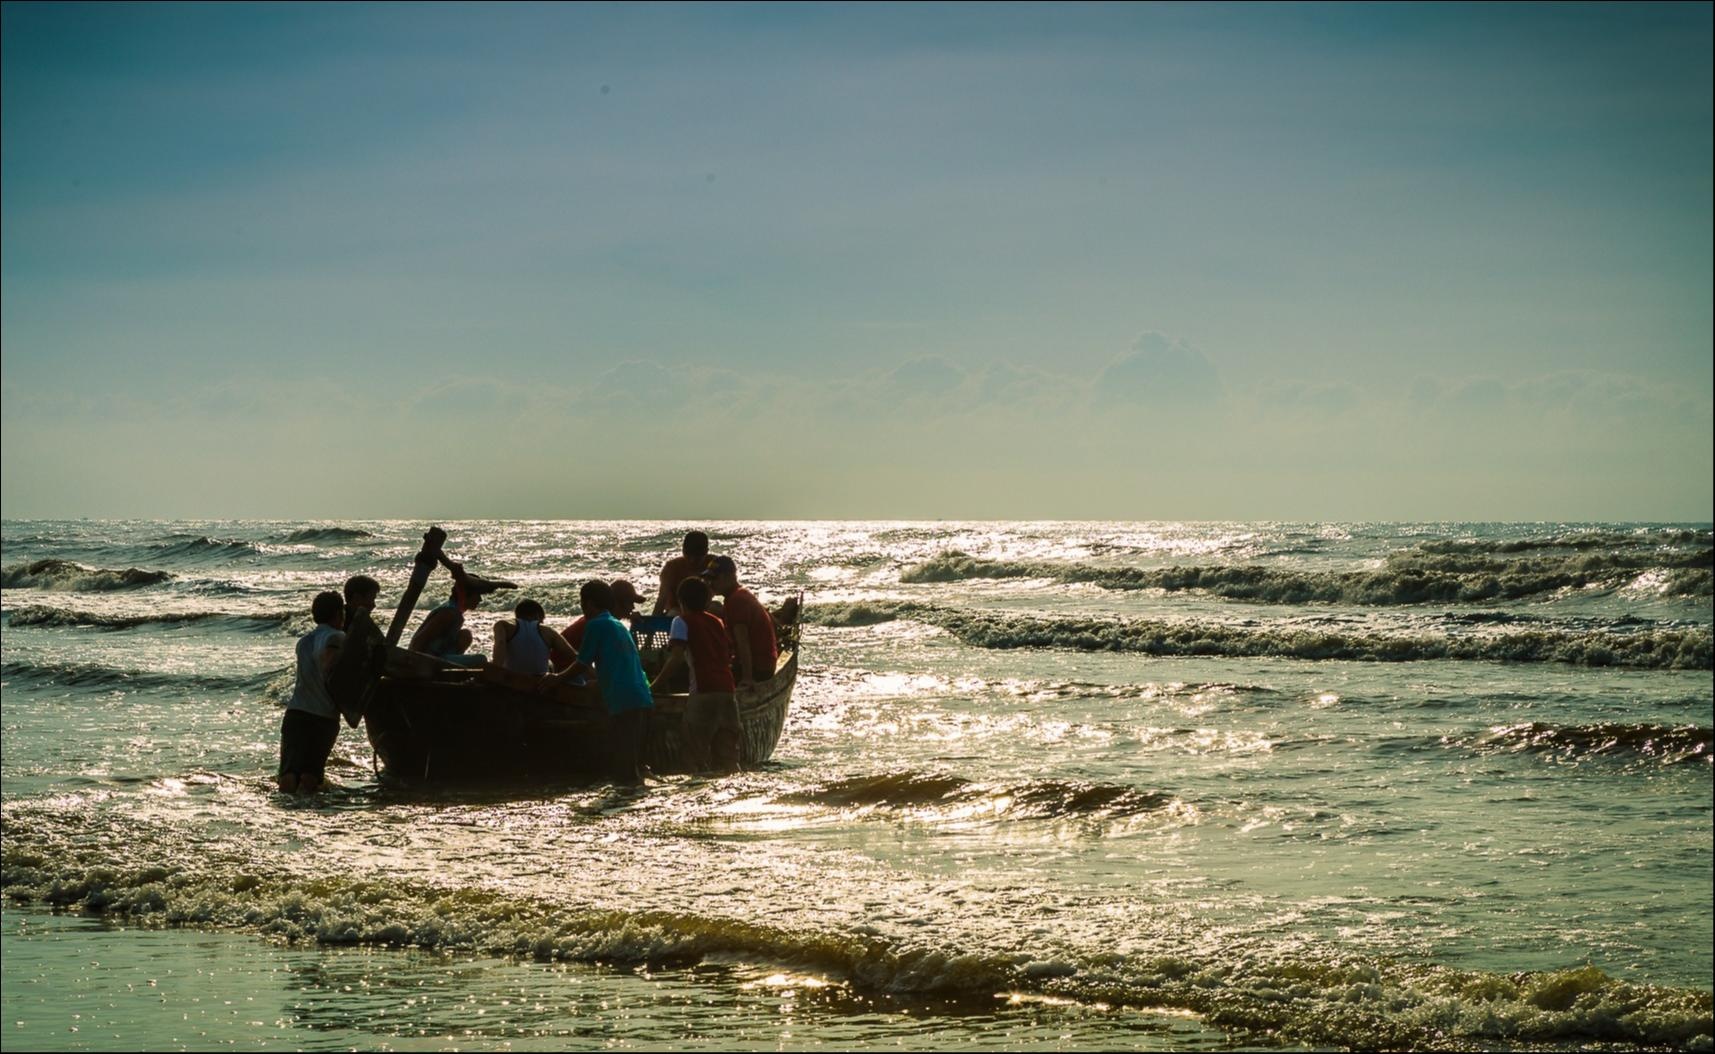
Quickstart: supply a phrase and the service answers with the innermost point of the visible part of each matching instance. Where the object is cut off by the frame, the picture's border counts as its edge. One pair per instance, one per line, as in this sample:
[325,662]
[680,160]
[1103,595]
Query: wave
[202,549]
[863,612]
[1581,540]
[1028,799]
[62,617]
[326,534]
[91,675]
[1667,744]
[1302,993]
[1407,579]
[67,576]
[1673,648]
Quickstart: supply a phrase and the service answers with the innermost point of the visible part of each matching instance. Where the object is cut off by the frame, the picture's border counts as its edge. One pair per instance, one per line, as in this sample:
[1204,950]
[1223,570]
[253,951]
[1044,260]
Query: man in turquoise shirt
[619,671]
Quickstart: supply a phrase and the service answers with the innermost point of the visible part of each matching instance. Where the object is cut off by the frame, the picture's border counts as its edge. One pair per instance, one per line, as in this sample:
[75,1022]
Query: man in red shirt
[700,640]
[751,626]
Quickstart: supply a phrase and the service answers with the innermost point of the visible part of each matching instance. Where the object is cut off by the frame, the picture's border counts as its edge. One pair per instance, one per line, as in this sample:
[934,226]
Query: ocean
[1164,786]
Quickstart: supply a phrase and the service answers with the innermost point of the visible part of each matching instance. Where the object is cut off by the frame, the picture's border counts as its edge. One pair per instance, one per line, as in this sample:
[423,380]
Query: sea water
[1080,785]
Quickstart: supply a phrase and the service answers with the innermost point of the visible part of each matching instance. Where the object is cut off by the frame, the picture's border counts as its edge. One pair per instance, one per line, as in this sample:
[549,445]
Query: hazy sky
[768,261]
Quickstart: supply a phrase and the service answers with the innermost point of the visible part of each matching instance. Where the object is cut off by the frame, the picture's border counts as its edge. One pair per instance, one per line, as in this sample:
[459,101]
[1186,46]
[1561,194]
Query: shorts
[628,734]
[306,740]
[712,732]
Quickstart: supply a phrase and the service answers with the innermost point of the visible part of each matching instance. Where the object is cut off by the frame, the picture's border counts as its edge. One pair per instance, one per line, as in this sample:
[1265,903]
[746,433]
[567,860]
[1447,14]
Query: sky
[870,261]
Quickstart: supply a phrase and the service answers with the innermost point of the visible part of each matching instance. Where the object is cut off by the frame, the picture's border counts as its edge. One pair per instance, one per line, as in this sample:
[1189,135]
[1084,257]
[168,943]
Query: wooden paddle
[422,565]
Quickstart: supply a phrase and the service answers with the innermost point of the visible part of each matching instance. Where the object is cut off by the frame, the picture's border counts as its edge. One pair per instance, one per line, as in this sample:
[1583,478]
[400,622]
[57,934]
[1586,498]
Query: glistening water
[1088,785]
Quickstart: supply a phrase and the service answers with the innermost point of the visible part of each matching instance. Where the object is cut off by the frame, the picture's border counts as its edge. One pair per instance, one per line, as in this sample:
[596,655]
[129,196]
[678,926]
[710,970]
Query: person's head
[360,592]
[328,608]
[722,576]
[625,598]
[595,597]
[466,599]
[696,545]
[693,594]
[529,611]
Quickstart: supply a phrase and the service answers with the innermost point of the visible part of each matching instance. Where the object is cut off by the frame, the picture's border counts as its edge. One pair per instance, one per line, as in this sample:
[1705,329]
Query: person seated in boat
[442,633]
[749,623]
[311,723]
[609,648]
[524,645]
[700,641]
[693,558]
[625,601]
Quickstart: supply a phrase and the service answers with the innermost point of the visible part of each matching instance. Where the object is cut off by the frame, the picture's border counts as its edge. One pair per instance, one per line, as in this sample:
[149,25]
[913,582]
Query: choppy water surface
[1170,786]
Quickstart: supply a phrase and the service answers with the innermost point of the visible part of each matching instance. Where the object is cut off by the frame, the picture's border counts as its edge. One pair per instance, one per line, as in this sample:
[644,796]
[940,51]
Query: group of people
[721,638]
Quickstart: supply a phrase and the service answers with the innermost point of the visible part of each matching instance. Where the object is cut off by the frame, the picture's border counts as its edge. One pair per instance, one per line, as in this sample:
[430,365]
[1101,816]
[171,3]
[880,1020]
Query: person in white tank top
[525,645]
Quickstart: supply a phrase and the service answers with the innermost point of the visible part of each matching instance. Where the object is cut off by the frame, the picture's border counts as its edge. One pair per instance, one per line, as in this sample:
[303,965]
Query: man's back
[743,609]
[310,692]
[618,668]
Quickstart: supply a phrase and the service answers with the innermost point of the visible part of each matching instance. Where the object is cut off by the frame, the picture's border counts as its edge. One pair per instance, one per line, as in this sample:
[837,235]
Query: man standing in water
[619,671]
[311,723]
[363,654]
[695,557]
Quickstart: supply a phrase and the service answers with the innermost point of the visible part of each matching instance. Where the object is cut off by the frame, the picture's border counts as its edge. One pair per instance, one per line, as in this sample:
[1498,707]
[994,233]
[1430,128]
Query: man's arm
[664,597]
[329,654]
[431,628]
[500,639]
[558,647]
[675,662]
[741,643]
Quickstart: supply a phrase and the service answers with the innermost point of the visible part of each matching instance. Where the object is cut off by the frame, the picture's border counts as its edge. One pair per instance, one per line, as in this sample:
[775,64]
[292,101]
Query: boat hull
[492,728]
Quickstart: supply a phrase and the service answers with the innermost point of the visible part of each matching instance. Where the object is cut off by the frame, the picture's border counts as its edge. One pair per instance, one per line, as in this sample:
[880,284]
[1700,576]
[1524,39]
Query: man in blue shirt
[619,671]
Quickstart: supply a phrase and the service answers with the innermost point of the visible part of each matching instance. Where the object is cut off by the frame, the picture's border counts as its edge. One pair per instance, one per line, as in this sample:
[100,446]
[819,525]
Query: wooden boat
[434,723]
[485,725]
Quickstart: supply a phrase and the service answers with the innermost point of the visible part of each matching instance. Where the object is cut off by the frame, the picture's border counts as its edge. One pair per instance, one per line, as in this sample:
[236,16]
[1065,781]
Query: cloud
[925,378]
[1159,372]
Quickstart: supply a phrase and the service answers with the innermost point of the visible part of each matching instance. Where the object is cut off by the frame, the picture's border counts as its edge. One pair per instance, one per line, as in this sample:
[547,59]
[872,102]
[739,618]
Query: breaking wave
[57,617]
[1304,994]
[1675,648]
[1407,578]
[202,549]
[1582,540]
[1667,744]
[89,675]
[863,612]
[66,576]
[327,534]
[1027,799]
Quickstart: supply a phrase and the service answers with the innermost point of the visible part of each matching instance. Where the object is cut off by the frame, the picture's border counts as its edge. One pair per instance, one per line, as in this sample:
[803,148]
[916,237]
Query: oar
[422,566]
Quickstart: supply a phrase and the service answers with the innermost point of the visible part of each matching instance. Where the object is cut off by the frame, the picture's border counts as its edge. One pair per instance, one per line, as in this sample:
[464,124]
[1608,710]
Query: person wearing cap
[693,558]
[749,623]
[442,633]
[625,601]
